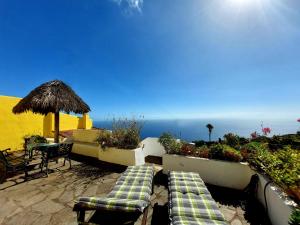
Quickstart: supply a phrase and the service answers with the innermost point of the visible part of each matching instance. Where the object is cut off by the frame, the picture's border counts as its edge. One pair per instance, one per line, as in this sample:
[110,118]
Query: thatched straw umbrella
[53,96]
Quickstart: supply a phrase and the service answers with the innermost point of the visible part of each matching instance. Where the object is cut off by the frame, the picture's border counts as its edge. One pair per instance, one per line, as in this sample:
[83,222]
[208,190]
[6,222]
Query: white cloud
[130,5]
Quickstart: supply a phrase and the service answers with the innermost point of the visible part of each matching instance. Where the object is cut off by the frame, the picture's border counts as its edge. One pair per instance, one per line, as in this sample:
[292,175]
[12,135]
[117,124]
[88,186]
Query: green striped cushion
[131,193]
[195,221]
[192,205]
[95,203]
[190,202]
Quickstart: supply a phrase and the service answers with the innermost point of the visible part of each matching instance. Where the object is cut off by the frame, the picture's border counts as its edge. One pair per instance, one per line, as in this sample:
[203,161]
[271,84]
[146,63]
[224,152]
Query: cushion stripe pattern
[131,193]
[190,202]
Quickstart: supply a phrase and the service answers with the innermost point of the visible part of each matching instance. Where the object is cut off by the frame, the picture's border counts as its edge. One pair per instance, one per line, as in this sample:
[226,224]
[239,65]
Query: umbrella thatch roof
[53,96]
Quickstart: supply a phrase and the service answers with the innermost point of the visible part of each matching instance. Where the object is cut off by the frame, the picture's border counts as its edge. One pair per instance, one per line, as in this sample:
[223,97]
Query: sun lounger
[190,203]
[131,195]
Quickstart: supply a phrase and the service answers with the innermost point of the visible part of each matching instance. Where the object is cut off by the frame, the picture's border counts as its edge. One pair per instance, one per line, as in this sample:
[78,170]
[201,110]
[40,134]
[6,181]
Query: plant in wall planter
[125,134]
[295,217]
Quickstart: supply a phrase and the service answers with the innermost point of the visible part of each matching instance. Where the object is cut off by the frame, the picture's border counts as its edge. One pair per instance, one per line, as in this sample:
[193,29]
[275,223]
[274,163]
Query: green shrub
[243,141]
[105,139]
[171,145]
[249,150]
[232,140]
[216,151]
[231,154]
[286,168]
[279,142]
[202,152]
[125,134]
[282,166]
[225,152]
[166,140]
[35,139]
[295,217]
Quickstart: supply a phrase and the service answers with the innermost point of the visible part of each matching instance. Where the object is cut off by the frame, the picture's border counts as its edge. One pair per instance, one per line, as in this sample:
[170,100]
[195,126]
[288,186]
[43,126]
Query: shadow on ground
[160,215]
[255,213]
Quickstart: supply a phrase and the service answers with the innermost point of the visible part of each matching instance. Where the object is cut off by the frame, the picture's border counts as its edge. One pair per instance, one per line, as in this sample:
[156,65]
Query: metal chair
[53,153]
[11,164]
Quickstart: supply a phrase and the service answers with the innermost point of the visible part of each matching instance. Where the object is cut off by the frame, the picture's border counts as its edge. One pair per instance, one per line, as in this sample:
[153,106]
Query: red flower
[298,120]
[266,130]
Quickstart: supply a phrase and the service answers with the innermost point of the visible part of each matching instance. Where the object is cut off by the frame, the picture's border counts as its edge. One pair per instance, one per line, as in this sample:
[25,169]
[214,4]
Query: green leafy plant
[282,166]
[35,139]
[295,217]
[225,152]
[202,152]
[249,150]
[216,152]
[232,140]
[171,145]
[231,154]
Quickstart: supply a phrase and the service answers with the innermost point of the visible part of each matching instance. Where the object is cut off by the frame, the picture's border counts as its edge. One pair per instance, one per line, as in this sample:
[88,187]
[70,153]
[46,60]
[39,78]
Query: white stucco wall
[216,172]
[153,147]
[280,206]
[86,149]
[122,156]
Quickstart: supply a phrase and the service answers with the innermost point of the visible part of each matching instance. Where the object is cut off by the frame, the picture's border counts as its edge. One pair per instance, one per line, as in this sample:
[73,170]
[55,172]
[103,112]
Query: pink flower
[266,130]
[298,120]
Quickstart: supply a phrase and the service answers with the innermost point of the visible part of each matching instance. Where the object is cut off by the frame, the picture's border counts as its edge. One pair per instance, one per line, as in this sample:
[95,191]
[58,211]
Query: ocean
[195,129]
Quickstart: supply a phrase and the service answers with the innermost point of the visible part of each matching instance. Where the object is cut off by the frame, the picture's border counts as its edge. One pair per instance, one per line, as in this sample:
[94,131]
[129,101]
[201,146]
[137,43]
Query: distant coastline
[194,129]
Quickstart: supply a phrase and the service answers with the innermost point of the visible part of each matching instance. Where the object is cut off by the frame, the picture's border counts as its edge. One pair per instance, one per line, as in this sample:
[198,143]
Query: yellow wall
[14,127]
[66,122]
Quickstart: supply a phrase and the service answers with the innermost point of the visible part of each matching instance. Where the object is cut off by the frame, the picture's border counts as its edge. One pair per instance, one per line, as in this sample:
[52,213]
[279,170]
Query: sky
[158,59]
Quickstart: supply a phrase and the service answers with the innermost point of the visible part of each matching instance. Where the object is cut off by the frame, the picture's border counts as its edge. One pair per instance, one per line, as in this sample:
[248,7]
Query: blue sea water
[195,129]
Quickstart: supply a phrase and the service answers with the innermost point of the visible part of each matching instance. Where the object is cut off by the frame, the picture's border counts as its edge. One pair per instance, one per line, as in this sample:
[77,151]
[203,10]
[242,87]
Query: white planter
[280,206]
[86,149]
[124,157]
[221,173]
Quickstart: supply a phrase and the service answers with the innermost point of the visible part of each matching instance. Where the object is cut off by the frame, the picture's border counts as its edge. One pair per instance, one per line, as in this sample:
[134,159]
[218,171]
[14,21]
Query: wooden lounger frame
[135,215]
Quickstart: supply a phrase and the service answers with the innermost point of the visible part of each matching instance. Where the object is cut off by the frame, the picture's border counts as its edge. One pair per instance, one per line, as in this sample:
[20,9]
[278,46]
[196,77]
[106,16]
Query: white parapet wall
[124,157]
[86,149]
[85,142]
[279,205]
[216,172]
[153,147]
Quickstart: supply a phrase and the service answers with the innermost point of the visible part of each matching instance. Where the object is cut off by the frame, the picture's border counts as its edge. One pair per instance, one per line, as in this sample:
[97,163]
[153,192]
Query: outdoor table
[42,147]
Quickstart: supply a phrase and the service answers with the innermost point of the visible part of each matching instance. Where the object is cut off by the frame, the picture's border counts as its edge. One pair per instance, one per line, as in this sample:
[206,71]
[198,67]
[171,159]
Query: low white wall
[112,155]
[122,156]
[280,206]
[86,149]
[216,172]
[85,143]
[153,147]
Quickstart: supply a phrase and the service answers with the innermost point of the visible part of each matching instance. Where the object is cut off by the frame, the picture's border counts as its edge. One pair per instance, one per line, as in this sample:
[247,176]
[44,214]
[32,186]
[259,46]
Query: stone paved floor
[49,200]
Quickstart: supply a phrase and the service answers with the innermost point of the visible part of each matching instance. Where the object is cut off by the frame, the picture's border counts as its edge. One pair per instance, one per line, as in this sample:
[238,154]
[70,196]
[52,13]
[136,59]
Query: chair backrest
[3,157]
[65,148]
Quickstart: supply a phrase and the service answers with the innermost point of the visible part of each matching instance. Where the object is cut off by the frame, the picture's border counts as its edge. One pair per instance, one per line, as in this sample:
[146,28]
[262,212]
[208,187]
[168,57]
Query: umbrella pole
[56,121]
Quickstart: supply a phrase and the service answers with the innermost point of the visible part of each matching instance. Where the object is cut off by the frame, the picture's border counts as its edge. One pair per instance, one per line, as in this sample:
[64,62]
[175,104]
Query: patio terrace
[49,200]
